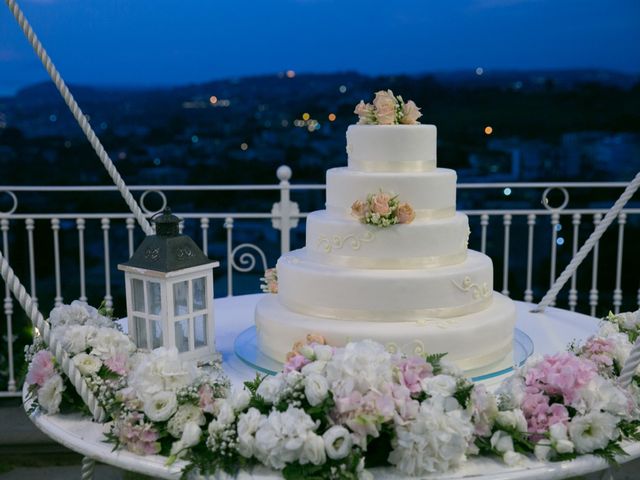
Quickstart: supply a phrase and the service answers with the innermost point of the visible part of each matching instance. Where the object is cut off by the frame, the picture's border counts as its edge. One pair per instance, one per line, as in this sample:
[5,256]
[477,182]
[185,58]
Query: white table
[550,331]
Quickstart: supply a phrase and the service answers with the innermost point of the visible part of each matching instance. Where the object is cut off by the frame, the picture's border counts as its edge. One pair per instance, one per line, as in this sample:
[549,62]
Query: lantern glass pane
[182,335]
[154,297]
[137,295]
[140,325]
[156,334]
[200,331]
[200,294]
[181,298]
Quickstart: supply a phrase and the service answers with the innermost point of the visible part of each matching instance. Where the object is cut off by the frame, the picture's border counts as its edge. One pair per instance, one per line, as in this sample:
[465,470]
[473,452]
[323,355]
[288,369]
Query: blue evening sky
[160,42]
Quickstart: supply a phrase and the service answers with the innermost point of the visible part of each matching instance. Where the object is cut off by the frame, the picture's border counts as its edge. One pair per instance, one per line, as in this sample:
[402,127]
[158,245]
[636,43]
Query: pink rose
[406,214]
[410,113]
[358,209]
[316,338]
[41,368]
[380,204]
[385,104]
[207,402]
[365,112]
[295,363]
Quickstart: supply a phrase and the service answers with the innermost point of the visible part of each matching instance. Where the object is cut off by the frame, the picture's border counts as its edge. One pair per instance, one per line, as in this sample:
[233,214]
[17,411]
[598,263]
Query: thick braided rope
[589,244]
[88,467]
[80,117]
[67,365]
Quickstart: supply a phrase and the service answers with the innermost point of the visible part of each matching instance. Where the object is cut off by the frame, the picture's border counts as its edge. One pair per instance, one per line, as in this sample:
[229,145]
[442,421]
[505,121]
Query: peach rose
[380,204]
[365,112]
[358,209]
[410,113]
[405,213]
[297,346]
[316,338]
[385,104]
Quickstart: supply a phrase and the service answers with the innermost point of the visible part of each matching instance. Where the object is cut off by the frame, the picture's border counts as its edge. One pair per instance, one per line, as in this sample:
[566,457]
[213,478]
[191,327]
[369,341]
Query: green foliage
[630,429]
[434,360]
[201,460]
[463,392]
[345,469]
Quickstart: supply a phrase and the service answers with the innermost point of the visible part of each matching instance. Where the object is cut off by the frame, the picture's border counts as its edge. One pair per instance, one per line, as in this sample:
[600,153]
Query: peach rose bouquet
[387,109]
[382,209]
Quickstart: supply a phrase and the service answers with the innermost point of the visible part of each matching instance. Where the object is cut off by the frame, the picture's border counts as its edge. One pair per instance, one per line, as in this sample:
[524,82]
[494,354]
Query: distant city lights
[244,146]
[284,123]
[122,155]
[343,89]
[488,130]
[103,125]
[558,227]
[332,117]
[291,74]
[213,99]
[306,116]
[507,191]
[67,144]
[195,139]
[52,118]
[560,241]
[479,71]
[156,161]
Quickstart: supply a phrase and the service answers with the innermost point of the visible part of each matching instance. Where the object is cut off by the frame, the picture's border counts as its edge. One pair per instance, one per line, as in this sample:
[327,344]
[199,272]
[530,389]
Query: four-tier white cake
[412,286]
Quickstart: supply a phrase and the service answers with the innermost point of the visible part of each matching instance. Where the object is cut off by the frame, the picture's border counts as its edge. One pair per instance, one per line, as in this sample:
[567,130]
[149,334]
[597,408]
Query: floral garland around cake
[387,109]
[334,412]
[382,210]
[269,283]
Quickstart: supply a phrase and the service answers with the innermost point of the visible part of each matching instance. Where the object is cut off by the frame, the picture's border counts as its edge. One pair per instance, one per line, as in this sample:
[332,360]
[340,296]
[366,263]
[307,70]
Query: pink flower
[366,113]
[316,339]
[136,436]
[117,363]
[413,370]
[410,113]
[358,209]
[295,363]
[207,402]
[41,369]
[600,351]
[385,104]
[405,213]
[558,413]
[380,203]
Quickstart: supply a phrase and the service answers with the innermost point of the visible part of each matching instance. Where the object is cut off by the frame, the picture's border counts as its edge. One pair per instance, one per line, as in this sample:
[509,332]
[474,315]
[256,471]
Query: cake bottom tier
[471,341]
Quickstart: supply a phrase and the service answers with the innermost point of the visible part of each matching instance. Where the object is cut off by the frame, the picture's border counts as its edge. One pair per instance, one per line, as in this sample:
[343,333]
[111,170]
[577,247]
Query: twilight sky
[161,42]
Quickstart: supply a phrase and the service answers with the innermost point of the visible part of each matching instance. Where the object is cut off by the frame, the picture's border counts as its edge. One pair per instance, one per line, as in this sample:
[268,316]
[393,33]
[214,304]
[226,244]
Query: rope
[88,467]
[67,365]
[589,244]
[80,117]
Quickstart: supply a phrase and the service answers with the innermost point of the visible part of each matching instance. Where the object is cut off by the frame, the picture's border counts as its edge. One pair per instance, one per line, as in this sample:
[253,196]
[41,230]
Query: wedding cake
[388,259]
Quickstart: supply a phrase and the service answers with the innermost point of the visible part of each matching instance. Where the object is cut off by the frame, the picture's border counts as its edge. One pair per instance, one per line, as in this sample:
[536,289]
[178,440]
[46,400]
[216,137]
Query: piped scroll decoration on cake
[337,242]
[387,109]
[478,291]
[382,209]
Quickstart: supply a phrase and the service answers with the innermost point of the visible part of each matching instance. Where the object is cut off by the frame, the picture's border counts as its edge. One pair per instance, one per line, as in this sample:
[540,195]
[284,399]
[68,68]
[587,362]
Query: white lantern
[169,289]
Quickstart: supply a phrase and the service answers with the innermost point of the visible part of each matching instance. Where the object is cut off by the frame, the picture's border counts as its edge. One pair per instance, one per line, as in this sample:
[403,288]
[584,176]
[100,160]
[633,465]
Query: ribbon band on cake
[393,166]
[421,214]
[390,263]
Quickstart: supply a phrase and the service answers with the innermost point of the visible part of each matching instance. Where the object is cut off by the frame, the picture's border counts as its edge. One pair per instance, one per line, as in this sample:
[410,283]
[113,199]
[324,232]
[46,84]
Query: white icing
[388,295]
[485,335]
[392,148]
[431,194]
[422,243]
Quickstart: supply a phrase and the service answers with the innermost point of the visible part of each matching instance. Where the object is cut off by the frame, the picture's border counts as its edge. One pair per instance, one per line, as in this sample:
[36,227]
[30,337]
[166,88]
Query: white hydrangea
[593,431]
[313,450]
[160,370]
[160,406]
[511,391]
[248,424]
[109,342]
[87,364]
[514,419]
[602,394]
[280,439]
[75,338]
[67,315]
[50,394]
[435,441]
[442,385]
[185,414]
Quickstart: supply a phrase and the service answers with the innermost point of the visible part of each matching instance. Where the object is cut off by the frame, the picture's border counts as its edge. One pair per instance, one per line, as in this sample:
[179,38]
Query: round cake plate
[246,349]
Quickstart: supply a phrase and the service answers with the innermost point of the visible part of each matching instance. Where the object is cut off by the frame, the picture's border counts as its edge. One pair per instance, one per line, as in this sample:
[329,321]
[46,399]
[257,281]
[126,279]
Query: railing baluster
[555,221]
[617,293]
[108,299]
[30,226]
[528,293]
[8,308]
[228,224]
[55,228]
[284,175]
[131,225]
[593,293]
[573,292]
[506,220]
[484,223]
[204,225]
[80,226]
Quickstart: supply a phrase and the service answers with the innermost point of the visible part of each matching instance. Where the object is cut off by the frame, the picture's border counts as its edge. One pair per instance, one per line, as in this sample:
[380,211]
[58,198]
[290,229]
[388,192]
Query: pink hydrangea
[137,436]
[600,351]
[41,369]
[412,371]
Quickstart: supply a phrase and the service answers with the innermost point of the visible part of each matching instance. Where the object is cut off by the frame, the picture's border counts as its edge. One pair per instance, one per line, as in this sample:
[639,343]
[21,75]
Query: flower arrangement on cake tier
[334,412]
[387,109]
[382,209]
[269,283]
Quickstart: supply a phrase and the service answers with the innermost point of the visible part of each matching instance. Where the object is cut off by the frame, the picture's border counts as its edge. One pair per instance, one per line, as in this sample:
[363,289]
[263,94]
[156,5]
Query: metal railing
[527,244]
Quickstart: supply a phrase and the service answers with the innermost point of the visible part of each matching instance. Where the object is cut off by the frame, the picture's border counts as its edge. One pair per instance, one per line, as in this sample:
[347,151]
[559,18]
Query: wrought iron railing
[53,255]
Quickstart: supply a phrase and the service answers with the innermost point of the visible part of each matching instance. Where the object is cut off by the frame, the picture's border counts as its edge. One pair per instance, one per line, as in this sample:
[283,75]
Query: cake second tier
[375,295]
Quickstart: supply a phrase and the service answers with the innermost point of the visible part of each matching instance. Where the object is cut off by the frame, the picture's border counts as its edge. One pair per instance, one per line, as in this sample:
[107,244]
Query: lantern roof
[168,250]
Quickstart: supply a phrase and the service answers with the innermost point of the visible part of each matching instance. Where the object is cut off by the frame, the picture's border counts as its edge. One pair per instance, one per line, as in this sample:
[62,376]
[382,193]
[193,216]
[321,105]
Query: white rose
[316,389]
[323,352]
[502,442]
[559,438]
[629,320]
[592,431]
[160,406]
[87,364]
[542,450]
[443,385]
[512,419]
[318,366]
[337,442]
[313,450]
[271,388]
[240,399]
[50,394]
[248,424]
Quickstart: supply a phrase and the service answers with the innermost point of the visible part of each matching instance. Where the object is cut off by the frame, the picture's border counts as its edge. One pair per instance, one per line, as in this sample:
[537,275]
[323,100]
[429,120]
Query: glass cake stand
[246,349]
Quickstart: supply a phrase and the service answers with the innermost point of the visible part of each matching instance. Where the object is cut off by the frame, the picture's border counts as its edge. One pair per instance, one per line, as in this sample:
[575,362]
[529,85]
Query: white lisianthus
[512,419]
[87,364]
[319,366]
[602,394]
[512,458]
[629,320]
[608,329]
[316,389]
[307,352]
[593,431]
[313,450]
[442,385]
[559,438]
[271,388]
[226,414]
[502,442]
[184,415]
[248,424]
[190,438]
[240,399]
[160,406]
[543,450]
[50,394]
[323,352]
[75,338]
[337,442]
